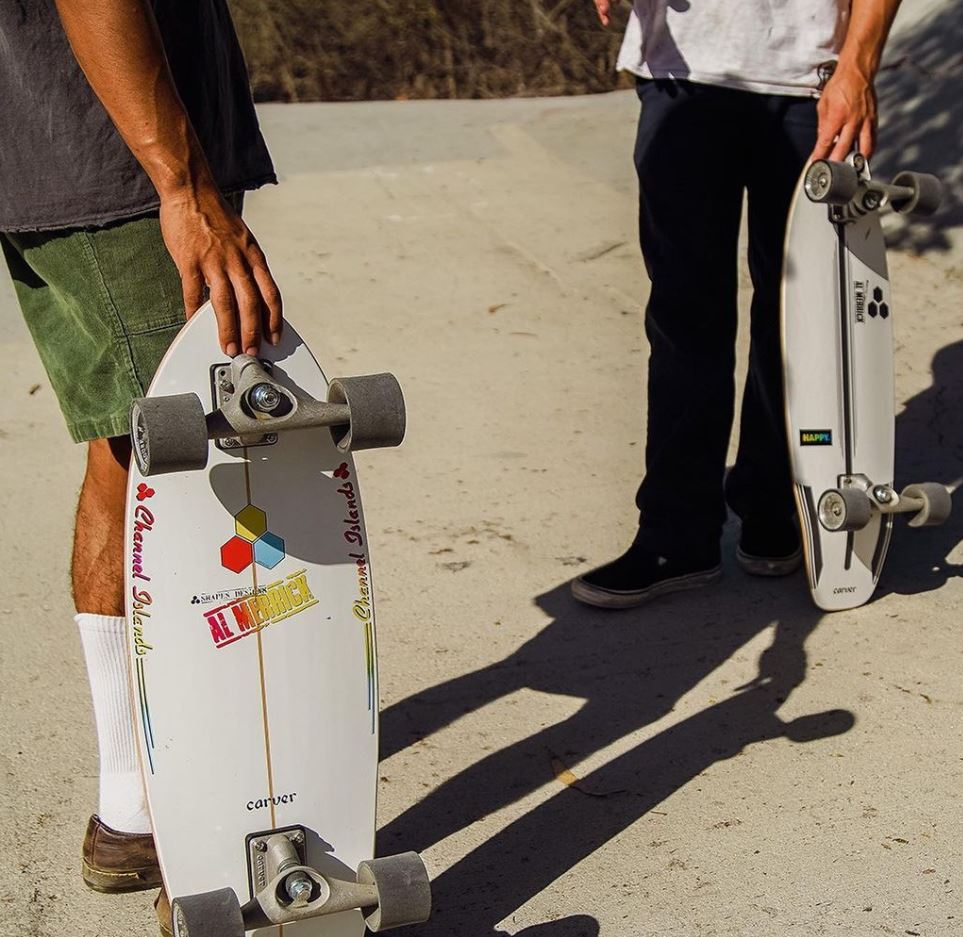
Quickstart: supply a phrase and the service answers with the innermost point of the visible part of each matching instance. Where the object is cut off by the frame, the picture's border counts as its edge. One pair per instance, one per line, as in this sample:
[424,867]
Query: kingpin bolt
[264,397]
[298,887]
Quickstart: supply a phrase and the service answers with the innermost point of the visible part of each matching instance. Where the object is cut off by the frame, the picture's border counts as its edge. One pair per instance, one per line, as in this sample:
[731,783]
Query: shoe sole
[110,883]
[769,566]
[607,598]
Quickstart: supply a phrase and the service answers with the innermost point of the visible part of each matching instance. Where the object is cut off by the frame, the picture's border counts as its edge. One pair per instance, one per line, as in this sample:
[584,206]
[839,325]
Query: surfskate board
[837,334]
[251,629]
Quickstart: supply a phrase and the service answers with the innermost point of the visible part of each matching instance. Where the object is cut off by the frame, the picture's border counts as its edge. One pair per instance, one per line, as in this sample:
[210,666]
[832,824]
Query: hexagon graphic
[878,294]
[873,310]
[884,310]
[250,522]
[268,550]
[237,554]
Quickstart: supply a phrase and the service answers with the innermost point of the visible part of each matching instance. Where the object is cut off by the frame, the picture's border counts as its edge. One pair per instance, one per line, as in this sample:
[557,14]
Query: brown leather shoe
[115,862]
[162,906]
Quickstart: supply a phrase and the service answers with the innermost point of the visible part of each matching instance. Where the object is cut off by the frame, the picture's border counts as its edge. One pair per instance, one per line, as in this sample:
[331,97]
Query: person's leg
[759,487]
[103,306]
[97,576]
[690,160]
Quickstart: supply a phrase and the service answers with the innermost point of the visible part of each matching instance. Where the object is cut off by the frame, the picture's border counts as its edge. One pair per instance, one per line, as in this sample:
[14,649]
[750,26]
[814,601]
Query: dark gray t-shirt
[62,162]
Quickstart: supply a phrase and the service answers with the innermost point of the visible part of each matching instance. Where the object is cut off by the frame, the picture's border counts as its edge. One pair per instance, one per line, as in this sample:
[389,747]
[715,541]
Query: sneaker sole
[769,566]
[607,598]
[110,883]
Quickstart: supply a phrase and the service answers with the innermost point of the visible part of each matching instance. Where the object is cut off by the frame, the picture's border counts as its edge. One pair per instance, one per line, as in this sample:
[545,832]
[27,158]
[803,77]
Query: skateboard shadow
[630,668]
[929,447]
[920,128]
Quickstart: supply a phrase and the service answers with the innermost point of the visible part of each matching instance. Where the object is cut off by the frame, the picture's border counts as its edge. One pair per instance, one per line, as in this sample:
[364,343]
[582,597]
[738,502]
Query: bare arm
[120,51]
[847,108]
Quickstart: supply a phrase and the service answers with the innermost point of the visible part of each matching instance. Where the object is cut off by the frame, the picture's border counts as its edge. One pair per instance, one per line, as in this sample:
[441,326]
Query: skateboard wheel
[937,504]
[377,409]
[844,509]
[209,914]
[927,193]
[831,183]
[168,434]
[404,892]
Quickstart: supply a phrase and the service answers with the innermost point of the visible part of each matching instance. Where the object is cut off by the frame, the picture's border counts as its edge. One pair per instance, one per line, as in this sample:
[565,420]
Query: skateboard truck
[850,506]
[851,193]
[171,434]
[391,892]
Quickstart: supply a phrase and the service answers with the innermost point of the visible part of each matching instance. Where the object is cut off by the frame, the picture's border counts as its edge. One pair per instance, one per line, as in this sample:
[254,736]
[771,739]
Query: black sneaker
[769,548]
[640,575]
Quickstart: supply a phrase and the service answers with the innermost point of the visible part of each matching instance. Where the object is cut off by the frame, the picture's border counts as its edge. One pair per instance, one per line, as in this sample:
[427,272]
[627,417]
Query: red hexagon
[237,554]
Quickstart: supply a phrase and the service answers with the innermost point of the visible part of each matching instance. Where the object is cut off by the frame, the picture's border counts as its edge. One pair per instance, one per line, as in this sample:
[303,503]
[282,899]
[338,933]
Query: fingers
[844,142]
[603,7]
[829,126]
[225,311]
[867,138]
[271,297]
[246,300]
[239,311]
[249,310]
[193,286]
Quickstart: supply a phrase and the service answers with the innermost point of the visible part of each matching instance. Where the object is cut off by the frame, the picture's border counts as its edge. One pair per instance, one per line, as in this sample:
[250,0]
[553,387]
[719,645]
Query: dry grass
[338,50]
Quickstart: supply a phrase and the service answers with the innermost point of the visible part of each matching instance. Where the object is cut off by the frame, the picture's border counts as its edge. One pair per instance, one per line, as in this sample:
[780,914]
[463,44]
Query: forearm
[117,44]
[869,25]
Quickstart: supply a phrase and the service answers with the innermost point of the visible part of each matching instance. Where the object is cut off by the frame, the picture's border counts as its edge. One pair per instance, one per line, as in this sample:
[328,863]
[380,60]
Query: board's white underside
[843,569]
[206,719]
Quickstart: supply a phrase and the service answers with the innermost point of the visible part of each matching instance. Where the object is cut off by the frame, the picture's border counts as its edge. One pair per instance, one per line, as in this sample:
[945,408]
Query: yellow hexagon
[250,522]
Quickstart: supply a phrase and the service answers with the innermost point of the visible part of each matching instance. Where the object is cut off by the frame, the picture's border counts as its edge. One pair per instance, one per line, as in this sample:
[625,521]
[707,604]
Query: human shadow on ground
[630,668]
[919,95]
[929,448]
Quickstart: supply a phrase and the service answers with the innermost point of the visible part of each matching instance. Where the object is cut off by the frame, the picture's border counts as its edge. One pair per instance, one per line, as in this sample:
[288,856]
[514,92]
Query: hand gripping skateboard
[837,329]
[252,643]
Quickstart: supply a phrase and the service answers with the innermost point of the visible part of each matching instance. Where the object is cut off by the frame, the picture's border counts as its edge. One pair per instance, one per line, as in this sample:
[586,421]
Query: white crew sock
[123,803]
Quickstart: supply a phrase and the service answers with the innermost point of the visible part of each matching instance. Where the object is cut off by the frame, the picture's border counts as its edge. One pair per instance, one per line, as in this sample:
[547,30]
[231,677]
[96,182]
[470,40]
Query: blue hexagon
[268,550]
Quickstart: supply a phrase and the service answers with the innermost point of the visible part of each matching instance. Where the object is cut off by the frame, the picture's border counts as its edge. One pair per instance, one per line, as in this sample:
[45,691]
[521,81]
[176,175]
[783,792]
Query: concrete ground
[730,762]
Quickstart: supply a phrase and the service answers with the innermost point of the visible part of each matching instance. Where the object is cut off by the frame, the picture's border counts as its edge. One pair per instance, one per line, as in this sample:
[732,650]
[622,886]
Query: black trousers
[699,149]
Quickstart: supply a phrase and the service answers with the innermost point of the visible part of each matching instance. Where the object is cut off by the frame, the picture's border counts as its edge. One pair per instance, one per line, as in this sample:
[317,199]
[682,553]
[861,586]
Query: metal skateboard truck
[391,892]
[848,188]
[171,434]
[851,505]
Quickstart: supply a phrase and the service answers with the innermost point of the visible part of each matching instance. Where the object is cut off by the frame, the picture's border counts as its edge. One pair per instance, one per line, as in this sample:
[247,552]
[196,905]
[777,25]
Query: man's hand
[213,248]
[604,10]
[847,116]
[847,108]
[119,48]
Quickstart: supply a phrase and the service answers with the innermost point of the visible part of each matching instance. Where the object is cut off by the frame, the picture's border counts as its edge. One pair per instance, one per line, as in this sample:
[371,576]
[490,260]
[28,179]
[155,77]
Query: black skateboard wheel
[168,434]
[404,892]
[937,503]
[845,509]
[377,412]
[927,194]
[209,914]
[831,183]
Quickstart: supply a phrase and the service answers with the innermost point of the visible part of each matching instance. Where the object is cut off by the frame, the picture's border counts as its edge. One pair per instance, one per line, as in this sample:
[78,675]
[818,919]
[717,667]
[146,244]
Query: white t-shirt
[769,46]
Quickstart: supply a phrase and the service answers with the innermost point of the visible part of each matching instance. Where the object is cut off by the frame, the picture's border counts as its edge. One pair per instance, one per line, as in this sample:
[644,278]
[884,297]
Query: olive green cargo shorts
[103,306]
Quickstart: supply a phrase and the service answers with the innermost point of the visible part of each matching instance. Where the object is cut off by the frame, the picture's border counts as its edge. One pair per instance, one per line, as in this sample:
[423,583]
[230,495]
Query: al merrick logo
[270,604]
[815,437]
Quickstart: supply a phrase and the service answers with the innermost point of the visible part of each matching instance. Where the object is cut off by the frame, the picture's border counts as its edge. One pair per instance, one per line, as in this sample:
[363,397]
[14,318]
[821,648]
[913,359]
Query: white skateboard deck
[837,333]
[252,644]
